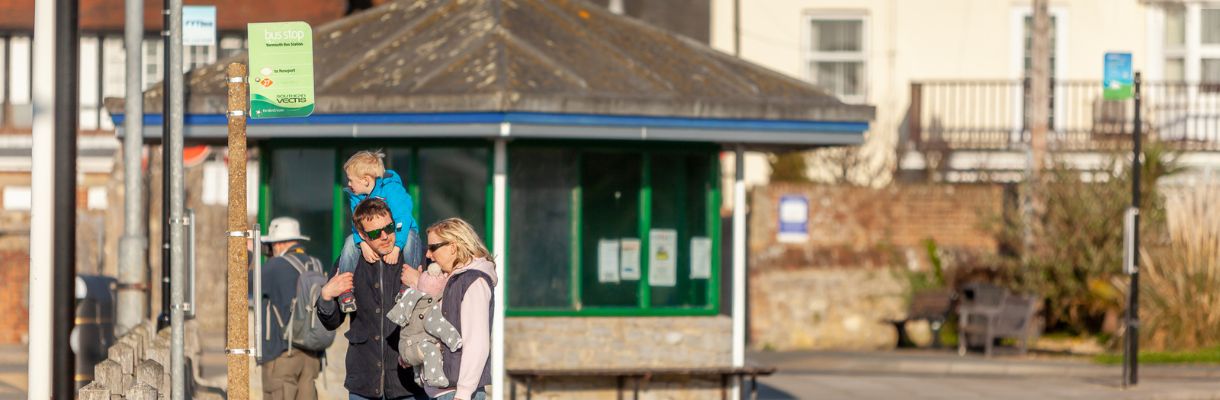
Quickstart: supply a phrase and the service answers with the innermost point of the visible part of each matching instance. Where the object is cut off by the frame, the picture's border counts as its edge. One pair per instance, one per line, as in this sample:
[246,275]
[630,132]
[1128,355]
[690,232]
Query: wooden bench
[931,306]
[988,313]
[528,377]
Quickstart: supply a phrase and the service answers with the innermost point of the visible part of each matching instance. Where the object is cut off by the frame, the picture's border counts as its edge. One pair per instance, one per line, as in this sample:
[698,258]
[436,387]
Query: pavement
[919,374]
[945,375]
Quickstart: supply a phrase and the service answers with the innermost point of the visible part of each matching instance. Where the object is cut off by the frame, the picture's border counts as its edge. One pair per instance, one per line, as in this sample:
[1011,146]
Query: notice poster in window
[700,258]
[662,257]
[629,259]
[607,261]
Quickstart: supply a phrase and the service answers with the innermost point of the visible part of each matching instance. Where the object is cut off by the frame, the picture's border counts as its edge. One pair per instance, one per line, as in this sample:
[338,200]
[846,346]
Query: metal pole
[499,247]
[237,331]
[163,318]
[177,214]
[258,292]
[133,246]
[42,230]
[739,265]
[67,81]
[1132,350]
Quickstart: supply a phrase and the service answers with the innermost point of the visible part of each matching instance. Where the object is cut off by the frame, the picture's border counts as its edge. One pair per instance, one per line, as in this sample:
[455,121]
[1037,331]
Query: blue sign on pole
[1118,81]
[198,25]
[793,219]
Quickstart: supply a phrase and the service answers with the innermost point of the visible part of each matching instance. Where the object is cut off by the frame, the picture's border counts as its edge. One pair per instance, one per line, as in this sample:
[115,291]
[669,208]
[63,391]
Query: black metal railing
[991,115]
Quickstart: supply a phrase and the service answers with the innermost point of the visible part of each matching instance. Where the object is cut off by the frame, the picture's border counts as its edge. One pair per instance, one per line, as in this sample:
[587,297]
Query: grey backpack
[305,331]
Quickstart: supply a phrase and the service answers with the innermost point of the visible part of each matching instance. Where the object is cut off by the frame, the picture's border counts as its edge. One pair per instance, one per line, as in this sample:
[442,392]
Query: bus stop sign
[1117,82]
[281,69]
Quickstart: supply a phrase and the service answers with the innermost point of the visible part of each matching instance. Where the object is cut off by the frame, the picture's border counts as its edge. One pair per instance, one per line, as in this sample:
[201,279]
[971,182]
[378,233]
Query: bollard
[137,344]
[159,352]
[123,354]
[142,392]
[93,391]
[149,372]
[110,373]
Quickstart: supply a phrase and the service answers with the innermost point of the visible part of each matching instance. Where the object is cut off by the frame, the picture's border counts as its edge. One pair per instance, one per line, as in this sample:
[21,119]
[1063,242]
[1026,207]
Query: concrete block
[150,373]
[142,392]
[93,391]
[111,374]
[123,354]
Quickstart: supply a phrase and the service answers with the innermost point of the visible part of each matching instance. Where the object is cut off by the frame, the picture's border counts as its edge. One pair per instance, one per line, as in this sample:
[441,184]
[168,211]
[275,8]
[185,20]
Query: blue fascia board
[530,118]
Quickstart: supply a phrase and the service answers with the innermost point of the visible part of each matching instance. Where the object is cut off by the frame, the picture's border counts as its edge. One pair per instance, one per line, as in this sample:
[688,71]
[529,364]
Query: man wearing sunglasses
[373,371]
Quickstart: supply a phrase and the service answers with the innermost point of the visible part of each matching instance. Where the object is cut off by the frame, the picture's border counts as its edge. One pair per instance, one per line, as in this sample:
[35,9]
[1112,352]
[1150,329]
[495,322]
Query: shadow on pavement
[768,392]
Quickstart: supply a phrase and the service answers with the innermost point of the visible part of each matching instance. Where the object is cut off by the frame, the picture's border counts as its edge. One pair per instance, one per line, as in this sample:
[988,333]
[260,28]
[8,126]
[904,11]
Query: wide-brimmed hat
[283,229]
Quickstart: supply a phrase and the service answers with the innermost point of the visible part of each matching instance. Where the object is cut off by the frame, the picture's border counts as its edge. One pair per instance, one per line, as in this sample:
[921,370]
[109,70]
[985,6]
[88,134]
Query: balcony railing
[991,115]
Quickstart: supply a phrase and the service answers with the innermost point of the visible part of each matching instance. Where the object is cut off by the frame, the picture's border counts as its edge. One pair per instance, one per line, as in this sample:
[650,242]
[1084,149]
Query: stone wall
[825,308]
[617,342]
[613,342]
[836,289]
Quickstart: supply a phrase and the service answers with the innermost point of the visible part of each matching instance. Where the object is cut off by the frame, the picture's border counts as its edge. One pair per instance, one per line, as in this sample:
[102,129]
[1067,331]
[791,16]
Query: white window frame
[1192,52]
[809,56]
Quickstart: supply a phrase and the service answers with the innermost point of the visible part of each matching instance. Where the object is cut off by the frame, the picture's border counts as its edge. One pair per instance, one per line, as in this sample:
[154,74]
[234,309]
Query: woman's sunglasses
[433,247]
[388,229]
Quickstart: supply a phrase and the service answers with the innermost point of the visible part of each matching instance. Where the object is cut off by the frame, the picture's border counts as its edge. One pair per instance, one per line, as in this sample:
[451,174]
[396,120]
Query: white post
[133,247]
[499,245]
[43,195]
[739,265]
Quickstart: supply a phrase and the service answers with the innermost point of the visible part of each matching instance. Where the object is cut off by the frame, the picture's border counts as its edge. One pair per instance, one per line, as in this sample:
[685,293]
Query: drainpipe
[133,246]
[42,231]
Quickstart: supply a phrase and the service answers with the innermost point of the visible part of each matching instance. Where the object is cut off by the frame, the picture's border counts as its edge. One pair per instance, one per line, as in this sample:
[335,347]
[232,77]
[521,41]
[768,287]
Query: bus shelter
[584,145]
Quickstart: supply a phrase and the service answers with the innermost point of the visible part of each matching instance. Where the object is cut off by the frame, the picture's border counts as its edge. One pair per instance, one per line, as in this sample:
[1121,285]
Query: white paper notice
[629,259]
[700,258]
[607,261]
[662,257]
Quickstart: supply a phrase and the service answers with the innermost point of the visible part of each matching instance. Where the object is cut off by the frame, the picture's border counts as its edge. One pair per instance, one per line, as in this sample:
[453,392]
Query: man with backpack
[293,337]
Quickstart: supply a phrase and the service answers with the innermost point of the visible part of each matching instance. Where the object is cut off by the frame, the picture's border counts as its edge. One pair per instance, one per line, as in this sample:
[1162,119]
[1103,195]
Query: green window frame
[579,273]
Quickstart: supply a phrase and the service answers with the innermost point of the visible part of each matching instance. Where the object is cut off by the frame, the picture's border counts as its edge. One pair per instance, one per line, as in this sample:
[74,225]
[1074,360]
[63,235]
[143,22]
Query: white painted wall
[911,40]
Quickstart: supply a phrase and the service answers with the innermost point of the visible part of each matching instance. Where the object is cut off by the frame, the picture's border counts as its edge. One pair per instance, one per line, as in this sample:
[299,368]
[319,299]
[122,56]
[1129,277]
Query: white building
[968,59]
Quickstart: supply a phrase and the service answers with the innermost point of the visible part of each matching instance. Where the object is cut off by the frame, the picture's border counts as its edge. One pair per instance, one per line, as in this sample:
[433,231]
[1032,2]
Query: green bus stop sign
[281,69]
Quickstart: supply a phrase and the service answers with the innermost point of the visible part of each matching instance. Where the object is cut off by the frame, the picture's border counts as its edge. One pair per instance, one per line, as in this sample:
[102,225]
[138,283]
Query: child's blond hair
[365,163]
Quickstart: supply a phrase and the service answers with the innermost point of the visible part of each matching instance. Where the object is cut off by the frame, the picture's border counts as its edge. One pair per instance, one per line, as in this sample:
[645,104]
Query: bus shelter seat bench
[638,377]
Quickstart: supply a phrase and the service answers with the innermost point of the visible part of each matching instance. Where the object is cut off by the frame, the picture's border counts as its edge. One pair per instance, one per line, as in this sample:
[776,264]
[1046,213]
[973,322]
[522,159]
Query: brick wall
[14,288]
[836,289]
[862,227]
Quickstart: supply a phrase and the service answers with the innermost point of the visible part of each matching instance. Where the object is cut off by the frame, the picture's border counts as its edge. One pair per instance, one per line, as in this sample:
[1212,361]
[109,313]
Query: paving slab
[945,375]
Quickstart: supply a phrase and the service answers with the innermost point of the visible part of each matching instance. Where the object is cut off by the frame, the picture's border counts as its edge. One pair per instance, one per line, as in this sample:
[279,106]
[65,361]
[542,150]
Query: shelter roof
[549,56]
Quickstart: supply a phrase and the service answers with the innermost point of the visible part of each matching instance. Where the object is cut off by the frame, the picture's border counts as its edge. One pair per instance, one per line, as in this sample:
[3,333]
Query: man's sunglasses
[388,229]
[433,247]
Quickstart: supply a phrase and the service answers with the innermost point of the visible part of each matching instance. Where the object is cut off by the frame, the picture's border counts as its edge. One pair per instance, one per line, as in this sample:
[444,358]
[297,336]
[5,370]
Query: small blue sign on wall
[1118,81]
[793,219]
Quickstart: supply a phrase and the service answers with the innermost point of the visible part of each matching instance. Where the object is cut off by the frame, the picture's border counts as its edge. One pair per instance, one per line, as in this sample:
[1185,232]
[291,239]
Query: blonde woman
[467,304]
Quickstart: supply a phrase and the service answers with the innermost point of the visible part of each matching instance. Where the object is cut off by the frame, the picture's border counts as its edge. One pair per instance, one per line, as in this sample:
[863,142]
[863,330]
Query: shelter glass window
[452,181]
[543,202]
[610,199]
[679,187]
[301,186]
